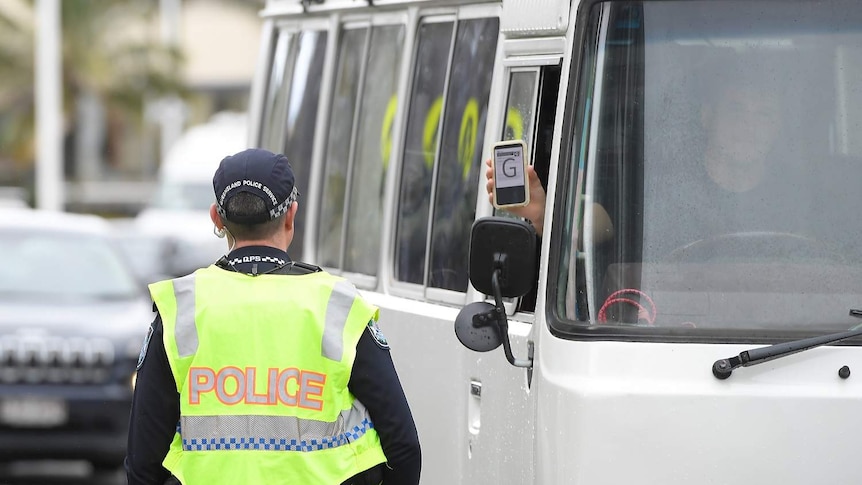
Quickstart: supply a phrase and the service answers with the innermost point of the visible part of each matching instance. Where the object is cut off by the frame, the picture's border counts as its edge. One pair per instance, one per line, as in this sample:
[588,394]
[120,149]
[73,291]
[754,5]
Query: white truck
[701,163]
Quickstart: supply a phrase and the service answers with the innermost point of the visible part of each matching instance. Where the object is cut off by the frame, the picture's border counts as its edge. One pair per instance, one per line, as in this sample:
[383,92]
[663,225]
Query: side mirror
[480,338]
[502,264]
[507,245]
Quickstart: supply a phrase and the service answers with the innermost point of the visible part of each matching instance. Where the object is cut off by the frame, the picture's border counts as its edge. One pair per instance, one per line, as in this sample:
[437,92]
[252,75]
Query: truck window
[439,181]
[521,106]
[458,165]
[277,89]
[301,120]
[372,152]
[709,193]
[531,107]
[339,141]
[293,111]
[358,147]
[420,149]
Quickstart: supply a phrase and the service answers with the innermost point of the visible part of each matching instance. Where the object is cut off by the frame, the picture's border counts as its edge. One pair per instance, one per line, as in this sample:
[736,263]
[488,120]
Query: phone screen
[510,179]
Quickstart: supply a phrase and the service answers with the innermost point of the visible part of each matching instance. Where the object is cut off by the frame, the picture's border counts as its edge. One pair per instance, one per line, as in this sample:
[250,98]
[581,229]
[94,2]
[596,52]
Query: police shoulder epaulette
[298,268]
[307,267]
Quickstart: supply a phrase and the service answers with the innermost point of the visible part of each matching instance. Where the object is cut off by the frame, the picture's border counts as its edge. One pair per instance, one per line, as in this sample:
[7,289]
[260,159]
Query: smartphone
[511,188]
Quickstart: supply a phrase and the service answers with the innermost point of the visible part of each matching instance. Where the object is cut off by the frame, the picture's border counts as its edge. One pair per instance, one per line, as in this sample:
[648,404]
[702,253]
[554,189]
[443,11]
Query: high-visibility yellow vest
[262,365]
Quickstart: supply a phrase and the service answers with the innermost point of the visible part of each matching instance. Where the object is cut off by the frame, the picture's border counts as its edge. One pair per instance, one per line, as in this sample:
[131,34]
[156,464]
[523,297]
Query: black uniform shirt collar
[256,259]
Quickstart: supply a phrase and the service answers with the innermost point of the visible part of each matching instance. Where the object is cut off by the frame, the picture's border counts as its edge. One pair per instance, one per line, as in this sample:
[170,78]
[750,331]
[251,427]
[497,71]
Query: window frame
[283,90]
[291,27]
[294,28]
[377,26]
[424,291]
[569,181]
[464,90]
[404,288]
[534,98]
[338,24]
[343,28]
[511,65]
[574,118]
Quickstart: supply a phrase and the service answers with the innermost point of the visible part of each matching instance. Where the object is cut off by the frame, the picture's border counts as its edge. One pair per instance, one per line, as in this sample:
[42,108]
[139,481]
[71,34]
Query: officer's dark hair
[249,205]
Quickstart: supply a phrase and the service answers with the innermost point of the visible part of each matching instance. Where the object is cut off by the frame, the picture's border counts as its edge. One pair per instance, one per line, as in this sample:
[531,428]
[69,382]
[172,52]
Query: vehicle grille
[75,360]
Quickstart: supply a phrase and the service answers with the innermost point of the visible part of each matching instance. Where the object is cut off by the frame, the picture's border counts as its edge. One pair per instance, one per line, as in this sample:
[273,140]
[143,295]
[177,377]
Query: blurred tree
[112,52]
[16,83]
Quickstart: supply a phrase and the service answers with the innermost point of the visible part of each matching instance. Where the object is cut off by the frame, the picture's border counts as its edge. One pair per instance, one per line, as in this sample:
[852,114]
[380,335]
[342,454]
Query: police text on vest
[232,385]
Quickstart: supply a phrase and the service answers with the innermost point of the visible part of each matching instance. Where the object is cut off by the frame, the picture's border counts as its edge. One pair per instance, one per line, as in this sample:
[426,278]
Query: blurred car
[149,254]
[179,213]
[73,317]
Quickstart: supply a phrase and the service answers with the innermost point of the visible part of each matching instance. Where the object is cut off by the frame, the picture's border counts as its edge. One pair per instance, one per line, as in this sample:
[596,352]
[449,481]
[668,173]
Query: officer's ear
[291,215]
[216,218]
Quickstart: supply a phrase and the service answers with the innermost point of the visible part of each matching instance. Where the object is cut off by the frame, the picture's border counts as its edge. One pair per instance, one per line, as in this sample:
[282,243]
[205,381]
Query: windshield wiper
[722,368]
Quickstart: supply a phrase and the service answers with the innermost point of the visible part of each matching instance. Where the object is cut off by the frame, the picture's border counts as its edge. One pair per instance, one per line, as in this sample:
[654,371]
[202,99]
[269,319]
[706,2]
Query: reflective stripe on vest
[273,433]
[337,310]
[186,333]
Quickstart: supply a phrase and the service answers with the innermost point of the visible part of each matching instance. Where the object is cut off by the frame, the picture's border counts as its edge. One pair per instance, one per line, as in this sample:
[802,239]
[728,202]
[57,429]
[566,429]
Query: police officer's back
[259,369]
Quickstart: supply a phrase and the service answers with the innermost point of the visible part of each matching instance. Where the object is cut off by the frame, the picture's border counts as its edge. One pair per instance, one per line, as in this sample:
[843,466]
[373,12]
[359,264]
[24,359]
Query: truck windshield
[715,172]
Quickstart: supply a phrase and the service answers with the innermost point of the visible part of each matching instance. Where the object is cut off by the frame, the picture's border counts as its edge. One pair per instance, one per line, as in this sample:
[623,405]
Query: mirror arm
[503,322]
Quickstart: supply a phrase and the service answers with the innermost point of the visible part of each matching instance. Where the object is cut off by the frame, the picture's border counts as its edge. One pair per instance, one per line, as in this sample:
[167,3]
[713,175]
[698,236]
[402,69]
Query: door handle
[474,408]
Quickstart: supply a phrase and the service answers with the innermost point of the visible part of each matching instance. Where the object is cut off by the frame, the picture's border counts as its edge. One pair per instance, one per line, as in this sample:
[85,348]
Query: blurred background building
[136,75]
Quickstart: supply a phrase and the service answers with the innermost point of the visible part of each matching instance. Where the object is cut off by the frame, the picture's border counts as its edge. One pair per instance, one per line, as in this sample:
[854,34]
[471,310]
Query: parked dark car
[73,317]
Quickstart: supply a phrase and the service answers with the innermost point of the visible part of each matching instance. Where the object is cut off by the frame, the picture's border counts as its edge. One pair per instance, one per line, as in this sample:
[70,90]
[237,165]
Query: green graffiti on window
[430,136]
[467,136]
[514,125]
[386,130]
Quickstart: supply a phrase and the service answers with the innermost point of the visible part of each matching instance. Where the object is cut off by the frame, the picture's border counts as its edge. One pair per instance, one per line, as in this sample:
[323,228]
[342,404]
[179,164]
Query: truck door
[500,400]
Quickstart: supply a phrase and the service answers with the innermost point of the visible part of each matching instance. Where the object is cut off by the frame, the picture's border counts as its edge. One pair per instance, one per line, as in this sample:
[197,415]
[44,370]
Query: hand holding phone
[511,187]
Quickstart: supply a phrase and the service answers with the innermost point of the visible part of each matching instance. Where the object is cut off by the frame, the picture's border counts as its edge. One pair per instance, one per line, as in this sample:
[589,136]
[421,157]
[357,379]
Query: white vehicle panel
[618,412]
[455,449]
[534,17]
[424,347]
[501,449]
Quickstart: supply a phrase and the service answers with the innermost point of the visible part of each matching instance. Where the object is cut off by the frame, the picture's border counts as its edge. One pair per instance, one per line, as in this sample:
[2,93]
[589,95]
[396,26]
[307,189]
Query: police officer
[262,370]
